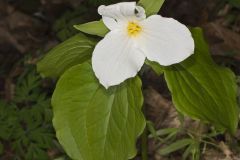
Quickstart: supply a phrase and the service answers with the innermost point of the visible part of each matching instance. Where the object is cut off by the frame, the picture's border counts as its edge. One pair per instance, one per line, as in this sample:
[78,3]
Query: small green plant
[25,122]
[191,142]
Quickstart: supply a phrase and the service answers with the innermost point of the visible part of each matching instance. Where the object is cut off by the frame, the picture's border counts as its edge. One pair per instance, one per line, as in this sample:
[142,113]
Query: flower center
[133,29]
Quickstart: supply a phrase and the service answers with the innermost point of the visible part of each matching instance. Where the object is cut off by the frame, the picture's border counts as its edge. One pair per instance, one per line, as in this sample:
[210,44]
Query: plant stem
[144,145]
[144,139]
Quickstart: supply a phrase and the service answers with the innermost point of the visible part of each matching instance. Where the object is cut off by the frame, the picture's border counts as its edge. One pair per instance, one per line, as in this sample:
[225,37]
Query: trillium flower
[133,38]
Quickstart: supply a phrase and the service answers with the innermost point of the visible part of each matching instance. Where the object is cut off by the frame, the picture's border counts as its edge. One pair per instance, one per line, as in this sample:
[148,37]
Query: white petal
[110,23]
[140,12]
[165,40]
[116,58]
[120,13]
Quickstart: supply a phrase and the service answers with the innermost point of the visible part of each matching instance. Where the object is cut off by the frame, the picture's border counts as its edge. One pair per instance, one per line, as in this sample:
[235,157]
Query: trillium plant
[98,97]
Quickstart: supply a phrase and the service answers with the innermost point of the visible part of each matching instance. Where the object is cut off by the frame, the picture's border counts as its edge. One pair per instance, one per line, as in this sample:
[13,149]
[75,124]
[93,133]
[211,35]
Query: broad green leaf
[94,123]
[175,146]
[203,90]
[151,6]
[94,28]
[75,50]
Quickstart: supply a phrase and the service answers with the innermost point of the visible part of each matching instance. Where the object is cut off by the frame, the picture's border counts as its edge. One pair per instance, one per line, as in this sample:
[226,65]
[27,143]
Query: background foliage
[26,121]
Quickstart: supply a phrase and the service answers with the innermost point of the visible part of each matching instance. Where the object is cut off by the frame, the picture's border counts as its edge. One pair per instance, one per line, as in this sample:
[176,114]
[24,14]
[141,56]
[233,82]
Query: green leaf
[151,129]
[203,90]
[94,123]
[188,151]
[94,28]
[158,69]
[235,3]
[175,146]
[75,50]
[167,131]
[151,6]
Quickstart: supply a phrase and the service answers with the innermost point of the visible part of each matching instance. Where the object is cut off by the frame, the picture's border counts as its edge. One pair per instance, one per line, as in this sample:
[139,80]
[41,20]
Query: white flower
[133,38]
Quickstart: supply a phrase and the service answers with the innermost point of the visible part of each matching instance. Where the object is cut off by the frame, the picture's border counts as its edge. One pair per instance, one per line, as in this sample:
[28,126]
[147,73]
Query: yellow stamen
[133,29]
